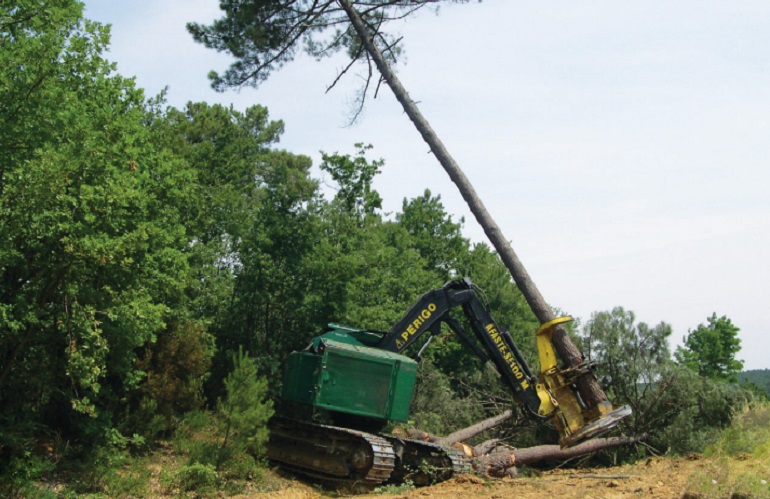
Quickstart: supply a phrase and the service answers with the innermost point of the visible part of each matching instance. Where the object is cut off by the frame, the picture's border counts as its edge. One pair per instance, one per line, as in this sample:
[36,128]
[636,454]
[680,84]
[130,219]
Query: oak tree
[710,349]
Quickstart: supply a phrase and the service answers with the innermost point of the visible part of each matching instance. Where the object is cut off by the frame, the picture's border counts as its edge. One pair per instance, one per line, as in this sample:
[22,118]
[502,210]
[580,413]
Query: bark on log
[472,431]
[587,386]
[496,464]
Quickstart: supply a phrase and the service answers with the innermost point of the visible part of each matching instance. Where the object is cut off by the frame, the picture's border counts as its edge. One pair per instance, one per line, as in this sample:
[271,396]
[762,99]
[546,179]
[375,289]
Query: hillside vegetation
[758,378]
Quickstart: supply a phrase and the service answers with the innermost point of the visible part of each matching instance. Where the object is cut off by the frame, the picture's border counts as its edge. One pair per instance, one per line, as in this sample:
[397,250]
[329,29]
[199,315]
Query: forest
[159,264]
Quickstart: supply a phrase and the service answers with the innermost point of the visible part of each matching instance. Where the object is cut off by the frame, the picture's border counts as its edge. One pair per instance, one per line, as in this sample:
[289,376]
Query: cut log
[496,464]
[459,435]
[472,431]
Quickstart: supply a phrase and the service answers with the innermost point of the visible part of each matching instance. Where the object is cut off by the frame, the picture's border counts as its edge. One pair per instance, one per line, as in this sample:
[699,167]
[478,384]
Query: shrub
[176,366]
[196,477]
[749,433]
[232,440]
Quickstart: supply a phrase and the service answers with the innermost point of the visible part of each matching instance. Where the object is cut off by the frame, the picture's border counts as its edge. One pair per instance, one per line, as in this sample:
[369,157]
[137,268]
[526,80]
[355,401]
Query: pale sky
[622,147]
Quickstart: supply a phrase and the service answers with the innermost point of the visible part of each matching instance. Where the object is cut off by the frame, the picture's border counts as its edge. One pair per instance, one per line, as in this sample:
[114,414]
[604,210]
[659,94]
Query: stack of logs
[493,459]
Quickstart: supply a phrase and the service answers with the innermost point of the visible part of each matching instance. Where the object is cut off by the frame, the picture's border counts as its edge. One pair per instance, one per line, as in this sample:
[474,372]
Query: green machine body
[343,375]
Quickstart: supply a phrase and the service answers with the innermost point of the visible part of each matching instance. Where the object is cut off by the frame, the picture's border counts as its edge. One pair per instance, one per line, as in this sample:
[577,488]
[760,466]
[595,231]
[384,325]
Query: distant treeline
[759,377]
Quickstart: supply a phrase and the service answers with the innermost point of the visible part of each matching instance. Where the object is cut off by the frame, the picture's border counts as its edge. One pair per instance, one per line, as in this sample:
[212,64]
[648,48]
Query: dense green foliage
[93,242]
[264,35]
[158,264]
[710,349]
[680,409]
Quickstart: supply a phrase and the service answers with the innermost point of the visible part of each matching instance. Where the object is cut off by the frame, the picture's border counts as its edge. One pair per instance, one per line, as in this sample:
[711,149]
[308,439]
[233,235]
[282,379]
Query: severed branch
[460,435]
[472,431]
[487,458]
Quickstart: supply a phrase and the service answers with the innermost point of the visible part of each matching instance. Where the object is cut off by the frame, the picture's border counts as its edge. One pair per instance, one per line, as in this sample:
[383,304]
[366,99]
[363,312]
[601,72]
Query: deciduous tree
[711,348]
[436,236]
[92,240]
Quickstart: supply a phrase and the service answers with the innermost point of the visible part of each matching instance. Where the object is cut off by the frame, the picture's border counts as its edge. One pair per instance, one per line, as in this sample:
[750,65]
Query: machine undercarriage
[335,454]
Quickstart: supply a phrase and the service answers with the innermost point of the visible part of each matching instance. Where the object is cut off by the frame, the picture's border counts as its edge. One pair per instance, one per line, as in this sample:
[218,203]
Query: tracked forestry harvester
[341,391]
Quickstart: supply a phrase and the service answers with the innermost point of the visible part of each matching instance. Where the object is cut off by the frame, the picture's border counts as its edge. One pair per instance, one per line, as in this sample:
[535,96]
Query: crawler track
[425,463]
[329,452]
[332,453]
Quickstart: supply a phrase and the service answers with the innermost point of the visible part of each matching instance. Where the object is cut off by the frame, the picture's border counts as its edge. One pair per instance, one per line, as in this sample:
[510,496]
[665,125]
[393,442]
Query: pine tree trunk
[588,388]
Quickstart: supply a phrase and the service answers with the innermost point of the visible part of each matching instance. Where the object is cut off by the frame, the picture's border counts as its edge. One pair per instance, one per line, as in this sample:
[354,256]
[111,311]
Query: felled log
[496,464]
[459,435]
[472,431]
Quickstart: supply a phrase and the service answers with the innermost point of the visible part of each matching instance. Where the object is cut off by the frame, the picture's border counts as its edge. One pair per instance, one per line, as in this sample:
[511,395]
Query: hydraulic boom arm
[549,395]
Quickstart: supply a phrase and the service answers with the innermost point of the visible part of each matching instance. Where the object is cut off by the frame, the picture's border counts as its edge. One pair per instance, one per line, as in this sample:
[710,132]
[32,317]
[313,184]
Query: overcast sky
[622,147]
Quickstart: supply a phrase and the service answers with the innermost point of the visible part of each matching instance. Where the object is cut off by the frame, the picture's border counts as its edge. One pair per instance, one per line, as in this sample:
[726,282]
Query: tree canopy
[710,349]
[93,243]
[264,35]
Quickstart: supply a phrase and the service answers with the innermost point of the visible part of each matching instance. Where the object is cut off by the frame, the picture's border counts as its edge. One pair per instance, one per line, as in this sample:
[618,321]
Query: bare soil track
[657,478]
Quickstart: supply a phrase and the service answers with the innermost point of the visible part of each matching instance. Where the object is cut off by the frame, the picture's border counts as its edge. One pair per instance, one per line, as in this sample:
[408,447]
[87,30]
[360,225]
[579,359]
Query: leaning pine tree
[265,34]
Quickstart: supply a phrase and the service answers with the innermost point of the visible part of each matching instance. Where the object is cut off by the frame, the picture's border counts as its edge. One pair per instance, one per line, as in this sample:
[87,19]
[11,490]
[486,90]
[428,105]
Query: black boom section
[425,315]
[497,345]
[504,354]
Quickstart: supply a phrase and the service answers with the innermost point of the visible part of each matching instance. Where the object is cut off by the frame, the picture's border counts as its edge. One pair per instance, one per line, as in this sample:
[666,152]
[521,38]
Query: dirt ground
[692,477]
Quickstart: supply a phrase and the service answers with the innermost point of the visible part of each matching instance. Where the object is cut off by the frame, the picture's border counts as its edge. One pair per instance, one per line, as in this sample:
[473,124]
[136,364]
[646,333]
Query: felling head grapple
[559,400]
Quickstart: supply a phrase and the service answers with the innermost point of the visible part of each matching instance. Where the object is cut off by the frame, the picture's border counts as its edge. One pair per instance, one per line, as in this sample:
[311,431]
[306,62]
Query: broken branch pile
[487,459]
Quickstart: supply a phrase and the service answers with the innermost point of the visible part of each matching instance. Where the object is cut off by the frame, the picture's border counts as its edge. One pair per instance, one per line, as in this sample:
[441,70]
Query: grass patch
[393,489]
[740,456]
[749,434]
